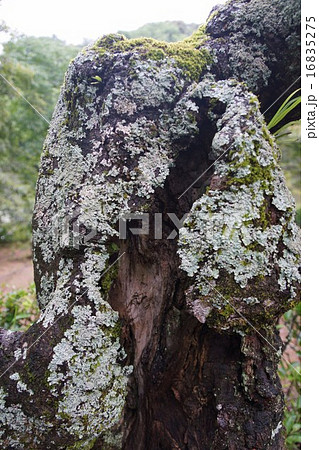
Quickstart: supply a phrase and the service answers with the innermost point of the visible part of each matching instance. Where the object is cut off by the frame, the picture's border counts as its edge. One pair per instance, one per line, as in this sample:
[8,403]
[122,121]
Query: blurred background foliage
[18,309]
[290,147]
[290,376]
[169,31]
[36,67]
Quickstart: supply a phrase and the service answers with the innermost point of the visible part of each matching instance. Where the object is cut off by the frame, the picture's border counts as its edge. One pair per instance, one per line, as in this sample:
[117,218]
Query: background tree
[169,31]
[35,66]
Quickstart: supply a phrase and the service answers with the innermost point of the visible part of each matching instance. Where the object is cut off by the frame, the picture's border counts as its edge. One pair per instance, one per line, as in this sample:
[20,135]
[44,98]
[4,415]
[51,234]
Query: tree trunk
[153,335]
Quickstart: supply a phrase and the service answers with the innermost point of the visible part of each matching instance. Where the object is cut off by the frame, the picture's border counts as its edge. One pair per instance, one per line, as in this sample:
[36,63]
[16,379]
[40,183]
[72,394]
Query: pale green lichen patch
[88,363]
[21,352]
[20,425]
[276,430]
[57,298]
[231,230]
[246,57]
[251,300]
[86,367]
[21,386]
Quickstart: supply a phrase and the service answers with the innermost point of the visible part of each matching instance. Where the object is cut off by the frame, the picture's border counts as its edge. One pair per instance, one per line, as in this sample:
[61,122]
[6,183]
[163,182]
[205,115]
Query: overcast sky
[75,20]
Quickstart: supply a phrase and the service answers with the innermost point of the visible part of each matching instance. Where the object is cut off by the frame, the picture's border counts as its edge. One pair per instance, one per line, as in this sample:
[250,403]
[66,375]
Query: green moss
[110,273]
[218,317]
[229,288]
[231,294]
[264,216]
[112,248]
[212,15]
[102,44]
[268,136]
[256,172]
[28,375]
[108,278]
[255,247]
[72,119]
[116,330]
[188,54]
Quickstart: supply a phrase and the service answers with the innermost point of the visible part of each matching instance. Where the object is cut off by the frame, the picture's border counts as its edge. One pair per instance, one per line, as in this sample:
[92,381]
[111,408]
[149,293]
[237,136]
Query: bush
[291,380]
[18,309]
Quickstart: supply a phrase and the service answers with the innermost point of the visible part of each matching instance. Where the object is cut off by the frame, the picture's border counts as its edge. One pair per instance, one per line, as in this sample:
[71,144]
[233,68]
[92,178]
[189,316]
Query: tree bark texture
[165,339]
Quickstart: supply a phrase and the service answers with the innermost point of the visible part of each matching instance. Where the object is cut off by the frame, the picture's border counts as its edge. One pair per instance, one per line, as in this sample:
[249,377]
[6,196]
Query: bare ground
[16,268]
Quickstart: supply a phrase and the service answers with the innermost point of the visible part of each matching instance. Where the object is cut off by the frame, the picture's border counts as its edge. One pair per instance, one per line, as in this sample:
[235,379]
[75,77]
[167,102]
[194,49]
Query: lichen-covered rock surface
[169,342]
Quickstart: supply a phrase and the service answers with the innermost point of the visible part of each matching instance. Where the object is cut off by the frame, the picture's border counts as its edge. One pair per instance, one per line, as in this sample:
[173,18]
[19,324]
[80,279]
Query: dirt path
[16,268]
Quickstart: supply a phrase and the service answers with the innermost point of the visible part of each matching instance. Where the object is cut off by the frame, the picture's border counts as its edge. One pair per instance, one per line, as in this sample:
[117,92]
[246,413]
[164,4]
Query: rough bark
[147,343]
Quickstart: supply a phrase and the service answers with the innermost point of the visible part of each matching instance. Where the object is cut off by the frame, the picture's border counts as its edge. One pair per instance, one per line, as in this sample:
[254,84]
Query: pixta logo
[72,231]
[144,228]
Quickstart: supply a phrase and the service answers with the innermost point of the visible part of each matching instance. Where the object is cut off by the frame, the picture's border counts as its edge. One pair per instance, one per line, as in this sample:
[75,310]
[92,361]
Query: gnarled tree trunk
[149,338]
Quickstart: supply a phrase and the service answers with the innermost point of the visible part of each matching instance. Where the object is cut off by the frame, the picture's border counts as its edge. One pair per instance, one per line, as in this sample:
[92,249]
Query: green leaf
[97,78]
[293,439]
[288,105]
[289,423]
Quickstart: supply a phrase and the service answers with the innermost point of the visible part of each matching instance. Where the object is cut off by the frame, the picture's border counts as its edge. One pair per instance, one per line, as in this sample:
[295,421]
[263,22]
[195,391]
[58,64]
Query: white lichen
[19,424]
[21,386]
[276,430]
[88,363]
